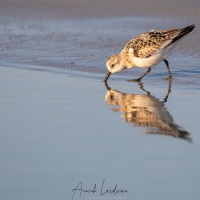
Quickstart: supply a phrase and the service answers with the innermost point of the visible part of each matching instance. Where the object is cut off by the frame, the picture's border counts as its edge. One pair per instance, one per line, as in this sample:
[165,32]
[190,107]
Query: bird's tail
[183,32]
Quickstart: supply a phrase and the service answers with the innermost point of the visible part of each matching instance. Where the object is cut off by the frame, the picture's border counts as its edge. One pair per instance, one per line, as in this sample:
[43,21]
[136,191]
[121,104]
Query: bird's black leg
[167,64]
[139,79]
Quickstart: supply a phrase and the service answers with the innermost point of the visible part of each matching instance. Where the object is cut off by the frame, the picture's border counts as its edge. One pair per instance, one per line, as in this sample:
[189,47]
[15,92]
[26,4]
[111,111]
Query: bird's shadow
[145,110]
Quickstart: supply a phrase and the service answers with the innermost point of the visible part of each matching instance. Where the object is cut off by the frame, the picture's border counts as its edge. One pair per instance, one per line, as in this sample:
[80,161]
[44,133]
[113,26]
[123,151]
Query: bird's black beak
[107,76]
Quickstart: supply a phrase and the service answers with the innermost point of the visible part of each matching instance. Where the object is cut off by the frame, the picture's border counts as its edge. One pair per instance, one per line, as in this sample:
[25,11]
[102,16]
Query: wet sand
[60,125]
[70,35]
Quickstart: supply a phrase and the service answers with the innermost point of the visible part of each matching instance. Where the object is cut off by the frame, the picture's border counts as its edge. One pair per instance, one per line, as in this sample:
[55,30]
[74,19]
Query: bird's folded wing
[151,42]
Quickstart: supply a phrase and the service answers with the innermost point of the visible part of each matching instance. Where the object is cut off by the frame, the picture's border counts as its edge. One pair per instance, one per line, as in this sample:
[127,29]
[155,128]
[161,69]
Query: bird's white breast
[154,59]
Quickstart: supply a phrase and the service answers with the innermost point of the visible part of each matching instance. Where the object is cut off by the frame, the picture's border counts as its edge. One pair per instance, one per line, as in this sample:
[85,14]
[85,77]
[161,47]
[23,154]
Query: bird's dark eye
[112,65]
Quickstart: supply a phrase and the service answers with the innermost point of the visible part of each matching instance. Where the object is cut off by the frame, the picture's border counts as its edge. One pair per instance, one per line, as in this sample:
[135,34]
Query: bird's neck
[127,59]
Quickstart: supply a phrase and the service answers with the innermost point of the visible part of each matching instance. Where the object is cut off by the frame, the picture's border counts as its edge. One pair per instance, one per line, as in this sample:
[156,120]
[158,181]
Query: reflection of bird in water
[144,110]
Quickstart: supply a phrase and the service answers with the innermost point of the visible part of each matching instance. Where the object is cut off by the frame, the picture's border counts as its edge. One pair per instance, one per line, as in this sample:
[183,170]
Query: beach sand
[60,125]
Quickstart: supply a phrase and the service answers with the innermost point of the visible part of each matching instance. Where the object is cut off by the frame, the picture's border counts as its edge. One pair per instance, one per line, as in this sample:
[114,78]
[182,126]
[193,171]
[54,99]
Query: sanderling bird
[147,50]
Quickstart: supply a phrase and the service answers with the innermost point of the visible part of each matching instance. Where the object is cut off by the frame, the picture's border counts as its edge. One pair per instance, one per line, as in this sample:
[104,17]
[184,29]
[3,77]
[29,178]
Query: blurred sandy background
[88,8]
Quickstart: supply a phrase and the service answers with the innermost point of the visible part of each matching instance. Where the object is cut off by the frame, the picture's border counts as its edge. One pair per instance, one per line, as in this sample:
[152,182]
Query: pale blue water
[57,131]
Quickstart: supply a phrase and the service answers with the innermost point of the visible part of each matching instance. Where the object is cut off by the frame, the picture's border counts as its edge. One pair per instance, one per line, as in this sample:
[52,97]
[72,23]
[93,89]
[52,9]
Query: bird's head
[114,64]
